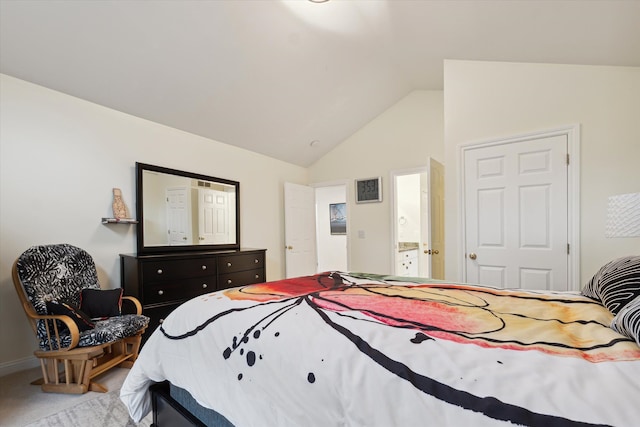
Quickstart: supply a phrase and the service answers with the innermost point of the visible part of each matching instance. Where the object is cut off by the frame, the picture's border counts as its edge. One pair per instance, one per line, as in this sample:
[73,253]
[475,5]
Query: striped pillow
[627,321]
[616,284]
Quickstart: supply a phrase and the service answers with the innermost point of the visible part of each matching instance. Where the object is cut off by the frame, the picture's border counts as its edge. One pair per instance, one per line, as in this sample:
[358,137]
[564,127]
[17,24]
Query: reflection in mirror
[183,211]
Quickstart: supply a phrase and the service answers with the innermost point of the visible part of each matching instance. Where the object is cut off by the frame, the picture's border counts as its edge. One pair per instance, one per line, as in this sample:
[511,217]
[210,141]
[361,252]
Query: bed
[339,349]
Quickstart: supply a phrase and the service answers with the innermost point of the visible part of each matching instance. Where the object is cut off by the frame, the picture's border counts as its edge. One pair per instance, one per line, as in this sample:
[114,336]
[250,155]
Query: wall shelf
[119,221]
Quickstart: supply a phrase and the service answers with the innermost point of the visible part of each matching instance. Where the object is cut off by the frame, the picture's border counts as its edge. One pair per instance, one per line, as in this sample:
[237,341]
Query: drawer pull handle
[204,267]
[161,321]
[159,271]
[160,292]
[257,276]
[256,261]
[228,264]
[229,282]
[204,286]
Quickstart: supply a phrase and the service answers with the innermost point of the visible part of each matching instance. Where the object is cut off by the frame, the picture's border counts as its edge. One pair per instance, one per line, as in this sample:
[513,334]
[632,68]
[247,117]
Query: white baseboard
[18,365]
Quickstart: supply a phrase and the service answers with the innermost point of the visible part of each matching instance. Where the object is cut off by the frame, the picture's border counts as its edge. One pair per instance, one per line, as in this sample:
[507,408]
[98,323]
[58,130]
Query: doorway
[332,218]
[418,225]
[316,228]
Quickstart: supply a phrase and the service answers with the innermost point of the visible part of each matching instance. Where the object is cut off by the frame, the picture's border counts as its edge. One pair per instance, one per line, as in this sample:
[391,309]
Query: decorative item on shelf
[369,190]
[119,208]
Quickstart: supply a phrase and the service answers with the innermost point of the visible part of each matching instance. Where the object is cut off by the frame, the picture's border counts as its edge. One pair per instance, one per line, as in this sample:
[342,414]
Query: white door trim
[573,198]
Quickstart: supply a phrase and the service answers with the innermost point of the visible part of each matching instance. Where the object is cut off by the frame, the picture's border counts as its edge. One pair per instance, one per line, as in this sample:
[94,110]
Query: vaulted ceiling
[274,76]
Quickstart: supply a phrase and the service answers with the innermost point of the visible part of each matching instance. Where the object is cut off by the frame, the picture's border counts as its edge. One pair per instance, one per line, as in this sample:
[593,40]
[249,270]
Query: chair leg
[131,346]
[97,387]
[75,379]
[74,371]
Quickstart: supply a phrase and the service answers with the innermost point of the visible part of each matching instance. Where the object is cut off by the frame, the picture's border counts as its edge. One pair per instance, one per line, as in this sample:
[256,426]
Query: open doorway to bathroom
[418,225]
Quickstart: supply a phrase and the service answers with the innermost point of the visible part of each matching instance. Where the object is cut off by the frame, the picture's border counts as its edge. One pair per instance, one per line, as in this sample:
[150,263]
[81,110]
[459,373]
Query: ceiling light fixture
[318,1]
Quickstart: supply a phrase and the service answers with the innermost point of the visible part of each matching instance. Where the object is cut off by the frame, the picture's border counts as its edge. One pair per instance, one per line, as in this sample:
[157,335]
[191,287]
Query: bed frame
[180,409]
[167,412]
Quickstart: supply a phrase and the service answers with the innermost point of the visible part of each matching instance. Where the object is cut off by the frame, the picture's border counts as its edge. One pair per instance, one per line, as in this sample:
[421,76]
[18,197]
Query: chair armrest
[53,332]
[135,302]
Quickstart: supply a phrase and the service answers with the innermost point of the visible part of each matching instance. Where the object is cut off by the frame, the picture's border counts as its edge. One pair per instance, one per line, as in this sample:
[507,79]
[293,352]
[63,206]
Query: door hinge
[567,158]
[568,248]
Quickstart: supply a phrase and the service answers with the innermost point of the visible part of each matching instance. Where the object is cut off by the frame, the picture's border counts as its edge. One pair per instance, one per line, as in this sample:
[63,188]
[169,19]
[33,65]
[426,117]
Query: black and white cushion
[616,284]
[109,330]
[627,321]
[59,273]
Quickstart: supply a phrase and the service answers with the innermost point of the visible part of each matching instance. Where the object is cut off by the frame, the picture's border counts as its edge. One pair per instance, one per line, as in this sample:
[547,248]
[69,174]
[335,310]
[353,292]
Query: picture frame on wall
[338,218]
[369,190]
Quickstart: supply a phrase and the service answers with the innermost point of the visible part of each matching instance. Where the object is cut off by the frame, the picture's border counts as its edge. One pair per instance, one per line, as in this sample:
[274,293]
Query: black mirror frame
[142,249]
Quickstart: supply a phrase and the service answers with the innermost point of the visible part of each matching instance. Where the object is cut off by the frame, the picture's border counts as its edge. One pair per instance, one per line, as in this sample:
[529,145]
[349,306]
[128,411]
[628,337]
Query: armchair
[51,281]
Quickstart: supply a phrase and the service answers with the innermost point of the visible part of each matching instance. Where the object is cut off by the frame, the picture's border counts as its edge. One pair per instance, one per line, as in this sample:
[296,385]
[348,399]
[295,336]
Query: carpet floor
[104,411]
[25,405]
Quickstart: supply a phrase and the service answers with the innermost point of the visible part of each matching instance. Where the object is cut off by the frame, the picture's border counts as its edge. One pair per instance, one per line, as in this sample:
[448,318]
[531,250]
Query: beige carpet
[22,404]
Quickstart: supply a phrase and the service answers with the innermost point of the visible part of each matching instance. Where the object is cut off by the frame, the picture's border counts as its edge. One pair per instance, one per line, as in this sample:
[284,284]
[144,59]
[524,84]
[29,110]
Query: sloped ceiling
[273,76]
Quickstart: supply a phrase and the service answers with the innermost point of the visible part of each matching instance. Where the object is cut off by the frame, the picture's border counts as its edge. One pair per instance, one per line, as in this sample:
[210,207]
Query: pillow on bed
[83,321]
[627,321]
[100,304]
[616,284]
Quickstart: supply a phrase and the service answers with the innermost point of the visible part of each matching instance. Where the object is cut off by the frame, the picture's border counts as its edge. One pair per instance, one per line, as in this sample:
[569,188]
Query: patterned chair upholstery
[59,273]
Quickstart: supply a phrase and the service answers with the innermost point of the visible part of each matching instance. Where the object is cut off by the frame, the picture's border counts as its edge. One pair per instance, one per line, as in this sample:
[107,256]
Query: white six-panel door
[213,218]
[300,230]
[516,218]
[178,216]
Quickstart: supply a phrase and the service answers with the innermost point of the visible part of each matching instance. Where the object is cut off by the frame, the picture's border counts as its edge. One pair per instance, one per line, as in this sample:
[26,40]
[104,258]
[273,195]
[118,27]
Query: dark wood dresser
[164,281]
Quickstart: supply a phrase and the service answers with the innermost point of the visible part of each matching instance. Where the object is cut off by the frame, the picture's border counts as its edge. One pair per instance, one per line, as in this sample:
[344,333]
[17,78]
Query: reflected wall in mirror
[181,211]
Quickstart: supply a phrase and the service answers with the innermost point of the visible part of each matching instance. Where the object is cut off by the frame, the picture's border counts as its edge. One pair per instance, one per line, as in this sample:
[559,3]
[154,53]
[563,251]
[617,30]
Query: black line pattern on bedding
[321,304]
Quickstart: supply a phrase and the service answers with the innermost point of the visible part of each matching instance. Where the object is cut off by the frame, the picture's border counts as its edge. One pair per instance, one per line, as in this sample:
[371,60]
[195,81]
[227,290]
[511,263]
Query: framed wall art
[338,218]
[369,190]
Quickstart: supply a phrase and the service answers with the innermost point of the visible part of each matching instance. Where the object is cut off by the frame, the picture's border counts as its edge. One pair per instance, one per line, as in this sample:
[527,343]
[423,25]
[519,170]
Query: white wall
[402,137]
[488,100]
[61,156]
[332,248]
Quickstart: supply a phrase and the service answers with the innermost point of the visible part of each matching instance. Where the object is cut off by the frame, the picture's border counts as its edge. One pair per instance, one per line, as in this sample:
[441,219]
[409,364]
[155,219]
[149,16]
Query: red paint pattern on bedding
[489,318]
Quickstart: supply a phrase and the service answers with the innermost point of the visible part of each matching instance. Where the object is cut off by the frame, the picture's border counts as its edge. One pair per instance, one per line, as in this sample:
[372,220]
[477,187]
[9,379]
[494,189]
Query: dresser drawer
[177,290]
[179,268]
[232,263]
[241,278]
[157,316]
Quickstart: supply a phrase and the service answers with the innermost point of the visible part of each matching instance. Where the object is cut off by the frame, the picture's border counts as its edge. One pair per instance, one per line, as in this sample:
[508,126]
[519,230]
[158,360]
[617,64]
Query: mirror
[182,211]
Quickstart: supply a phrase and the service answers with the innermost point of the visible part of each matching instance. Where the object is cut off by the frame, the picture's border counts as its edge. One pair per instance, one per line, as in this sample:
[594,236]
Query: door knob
[428,252]
[472,256]
[288,247]
[436,252]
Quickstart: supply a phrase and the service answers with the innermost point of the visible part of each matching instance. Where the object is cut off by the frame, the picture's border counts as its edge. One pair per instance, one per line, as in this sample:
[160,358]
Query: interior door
[424,249]
[299,230]
[435,215]
[213,218]
[178,216]
[516,215]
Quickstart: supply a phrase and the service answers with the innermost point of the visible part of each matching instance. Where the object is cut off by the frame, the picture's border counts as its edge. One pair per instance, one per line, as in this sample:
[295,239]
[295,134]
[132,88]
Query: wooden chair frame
[72,369]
